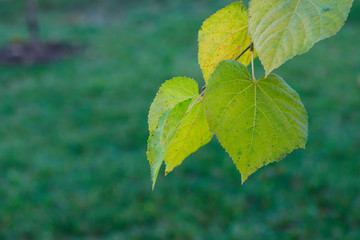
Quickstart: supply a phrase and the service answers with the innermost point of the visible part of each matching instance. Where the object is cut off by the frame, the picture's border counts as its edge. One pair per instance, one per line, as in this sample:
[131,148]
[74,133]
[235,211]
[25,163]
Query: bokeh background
[73,134]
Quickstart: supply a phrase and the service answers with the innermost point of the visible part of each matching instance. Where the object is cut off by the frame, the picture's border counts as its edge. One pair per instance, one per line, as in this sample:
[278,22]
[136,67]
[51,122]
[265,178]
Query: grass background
[73,134]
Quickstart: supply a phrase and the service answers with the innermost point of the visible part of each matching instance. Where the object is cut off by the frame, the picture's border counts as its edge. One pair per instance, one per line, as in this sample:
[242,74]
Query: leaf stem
[197,99]
[252,60]
[245,50]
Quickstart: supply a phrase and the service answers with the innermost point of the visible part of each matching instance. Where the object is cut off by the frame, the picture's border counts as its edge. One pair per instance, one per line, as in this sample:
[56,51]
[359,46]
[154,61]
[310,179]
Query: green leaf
[185,132]
[155,152]
[257,122]
[171,93]
[181,128]
[223,36]
[282,29]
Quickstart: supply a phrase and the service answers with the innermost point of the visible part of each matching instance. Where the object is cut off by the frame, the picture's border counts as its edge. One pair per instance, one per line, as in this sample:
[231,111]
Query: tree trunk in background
[32,24]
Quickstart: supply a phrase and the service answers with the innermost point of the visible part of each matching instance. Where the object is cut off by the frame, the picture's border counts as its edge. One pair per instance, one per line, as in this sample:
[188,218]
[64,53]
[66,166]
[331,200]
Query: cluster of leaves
[257,121]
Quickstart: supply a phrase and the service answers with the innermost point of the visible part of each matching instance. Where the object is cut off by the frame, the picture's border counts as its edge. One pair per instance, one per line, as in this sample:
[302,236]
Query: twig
[197,99]
[245,50]
[252,61]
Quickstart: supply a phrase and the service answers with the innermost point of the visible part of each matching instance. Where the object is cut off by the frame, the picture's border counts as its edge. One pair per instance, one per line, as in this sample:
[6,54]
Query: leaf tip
[153,184]
[242,181]
[244,178]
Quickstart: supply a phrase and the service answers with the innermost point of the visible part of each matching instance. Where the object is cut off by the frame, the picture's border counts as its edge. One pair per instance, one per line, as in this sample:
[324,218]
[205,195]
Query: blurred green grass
[73,135]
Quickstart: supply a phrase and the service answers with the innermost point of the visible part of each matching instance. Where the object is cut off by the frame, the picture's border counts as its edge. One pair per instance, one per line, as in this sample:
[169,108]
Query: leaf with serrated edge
[184,132]
[223,36]
[182,127]
[257,122]
[171,93]
[155,151]
[282,29]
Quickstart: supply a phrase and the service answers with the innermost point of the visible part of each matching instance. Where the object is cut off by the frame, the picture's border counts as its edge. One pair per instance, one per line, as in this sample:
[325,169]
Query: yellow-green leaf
[224,36]
[155,151]
[177,124]
[282,29]
[256,121]
[185,131]
[171,93]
